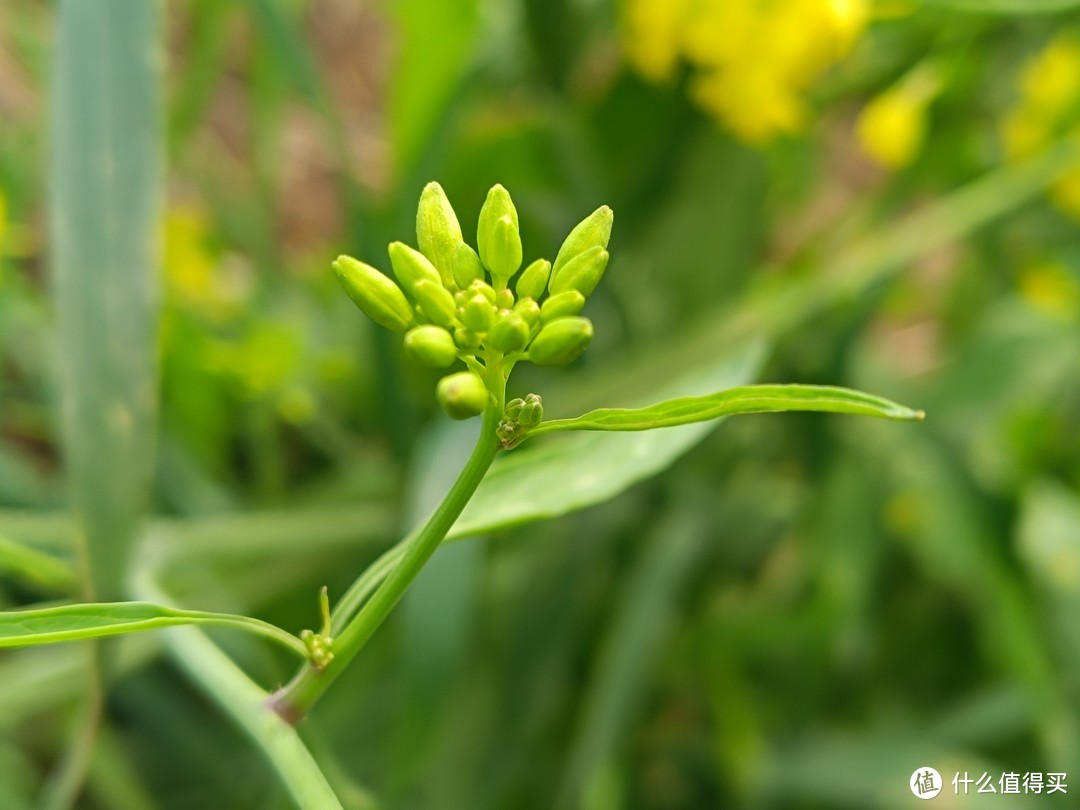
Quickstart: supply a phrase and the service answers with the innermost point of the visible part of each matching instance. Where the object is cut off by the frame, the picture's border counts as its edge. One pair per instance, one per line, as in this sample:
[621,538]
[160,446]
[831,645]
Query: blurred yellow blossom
[1048,109]
[1066,193]
[892,127]
[1050,82]
[1051,289]
[195,277]
[3,221]
[653,29]
[754,59]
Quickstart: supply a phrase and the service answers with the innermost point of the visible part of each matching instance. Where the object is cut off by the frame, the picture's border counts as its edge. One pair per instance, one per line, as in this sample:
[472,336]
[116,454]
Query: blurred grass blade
[26,628]
[434,49]
[35,566]
[1006,6]
[747,399]
[631,648]
[583,470]
[105,173]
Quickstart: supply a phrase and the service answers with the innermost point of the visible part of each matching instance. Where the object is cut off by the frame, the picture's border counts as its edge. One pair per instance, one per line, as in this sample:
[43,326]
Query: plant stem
[295,700]
[245,702]
[63,788]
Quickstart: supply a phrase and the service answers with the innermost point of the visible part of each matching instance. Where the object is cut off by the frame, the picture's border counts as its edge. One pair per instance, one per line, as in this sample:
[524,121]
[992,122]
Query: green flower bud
[466,339]
[436,303]
[561,342]
[466,266]
[509,334]
[411,266]
[462,395]
[431,345]
[593,231]
[377,296]
[528,309]
[485,289]
[581,273]
[533,279]
[532,412]
[478,314]
[568,302]
[504,299]
[497,236]
[513,408]
[437,231]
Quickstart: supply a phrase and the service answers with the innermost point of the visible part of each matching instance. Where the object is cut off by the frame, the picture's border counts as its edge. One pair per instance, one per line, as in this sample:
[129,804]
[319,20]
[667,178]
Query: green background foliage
[779,611]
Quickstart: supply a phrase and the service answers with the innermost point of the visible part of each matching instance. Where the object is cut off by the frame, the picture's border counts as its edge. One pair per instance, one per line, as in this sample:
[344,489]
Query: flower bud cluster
[455,303]
[520,416]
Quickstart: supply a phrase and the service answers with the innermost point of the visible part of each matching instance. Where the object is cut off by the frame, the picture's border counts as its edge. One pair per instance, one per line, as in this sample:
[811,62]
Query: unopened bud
[466,266]
[436,302]
[462,395]
[497,236]
[561,341]
[513,408]
[532,412]
[593,231]
[485,289]
[568,302]
[528,309]
[411,266]
[437,231]
[509,334]
[431,345]
[466,339]
[377,296]
[533,279]
[478,314]
[582,273]
[504,299]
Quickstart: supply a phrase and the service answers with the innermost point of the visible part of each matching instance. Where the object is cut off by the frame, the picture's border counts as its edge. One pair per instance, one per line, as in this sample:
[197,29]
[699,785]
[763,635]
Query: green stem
[295,700]
[63,788]
[245,702]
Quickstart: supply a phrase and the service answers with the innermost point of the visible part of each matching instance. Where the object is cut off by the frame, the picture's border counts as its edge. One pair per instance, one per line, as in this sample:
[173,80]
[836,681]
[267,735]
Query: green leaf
[105,172]
[35,566]
[747,399]
[578,471]
[24,628]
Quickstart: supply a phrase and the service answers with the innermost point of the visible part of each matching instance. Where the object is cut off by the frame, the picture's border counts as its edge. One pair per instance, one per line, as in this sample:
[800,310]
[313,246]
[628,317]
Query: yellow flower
[189,265]
[1050,82]
[652,31]
[195,278]
[753,60]
[892,127]
[3,221]
[1066,193]
[1023,132]
[1051,289]
[1047,108]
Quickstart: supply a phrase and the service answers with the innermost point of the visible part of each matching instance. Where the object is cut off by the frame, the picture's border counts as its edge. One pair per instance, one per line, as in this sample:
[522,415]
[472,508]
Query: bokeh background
[796,611]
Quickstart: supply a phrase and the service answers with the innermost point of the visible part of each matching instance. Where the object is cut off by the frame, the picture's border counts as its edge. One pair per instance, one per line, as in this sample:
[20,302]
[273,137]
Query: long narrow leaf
[1006,6]
[544,482]
[36,566]
[24,628]
[746,399]
[105,173]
